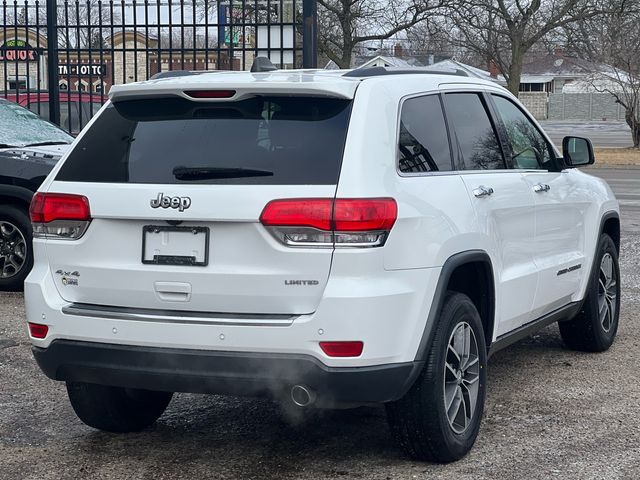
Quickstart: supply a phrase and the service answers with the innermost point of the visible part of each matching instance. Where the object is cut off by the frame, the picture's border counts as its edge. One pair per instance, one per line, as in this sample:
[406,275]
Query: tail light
[60,216]
[325,222]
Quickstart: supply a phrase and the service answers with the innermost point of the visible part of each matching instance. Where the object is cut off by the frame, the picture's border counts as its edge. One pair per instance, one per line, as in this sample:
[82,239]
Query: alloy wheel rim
[607,292]
[461,378]
[13,250]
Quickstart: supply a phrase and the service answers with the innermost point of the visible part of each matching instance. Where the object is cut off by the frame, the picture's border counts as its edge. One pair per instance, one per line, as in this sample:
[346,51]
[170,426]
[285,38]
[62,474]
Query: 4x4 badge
[181,203]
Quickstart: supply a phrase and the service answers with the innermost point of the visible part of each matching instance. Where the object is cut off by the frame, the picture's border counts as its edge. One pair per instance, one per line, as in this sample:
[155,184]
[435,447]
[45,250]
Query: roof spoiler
[177,73]
[260,64]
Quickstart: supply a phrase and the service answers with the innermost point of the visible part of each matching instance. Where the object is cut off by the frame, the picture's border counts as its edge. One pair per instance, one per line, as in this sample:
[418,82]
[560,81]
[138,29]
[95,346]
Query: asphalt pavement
[550,413]
[608,134]
[625,183]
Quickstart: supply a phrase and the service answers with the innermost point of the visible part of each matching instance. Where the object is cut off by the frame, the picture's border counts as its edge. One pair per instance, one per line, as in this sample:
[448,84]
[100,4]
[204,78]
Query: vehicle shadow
[253,438]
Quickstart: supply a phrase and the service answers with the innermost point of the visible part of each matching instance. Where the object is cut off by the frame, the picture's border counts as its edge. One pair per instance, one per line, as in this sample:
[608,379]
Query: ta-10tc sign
[82,69]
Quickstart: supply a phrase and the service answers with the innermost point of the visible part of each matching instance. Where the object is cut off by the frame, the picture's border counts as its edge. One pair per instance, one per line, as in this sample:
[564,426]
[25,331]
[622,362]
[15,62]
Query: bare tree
[431,36]
[505,30]
[614,40]
[343,25]
[82,19]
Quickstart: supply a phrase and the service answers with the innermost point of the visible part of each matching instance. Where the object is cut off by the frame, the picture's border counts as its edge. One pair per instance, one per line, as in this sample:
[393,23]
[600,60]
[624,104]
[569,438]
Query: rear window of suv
[259,140]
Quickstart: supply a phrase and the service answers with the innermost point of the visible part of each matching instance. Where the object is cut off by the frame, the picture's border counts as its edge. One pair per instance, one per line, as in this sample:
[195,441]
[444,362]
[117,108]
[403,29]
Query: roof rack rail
[177,73]
[262,64]
[381,71]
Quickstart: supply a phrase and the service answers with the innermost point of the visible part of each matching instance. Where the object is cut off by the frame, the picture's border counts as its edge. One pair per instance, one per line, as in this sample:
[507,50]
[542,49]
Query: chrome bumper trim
[178,316]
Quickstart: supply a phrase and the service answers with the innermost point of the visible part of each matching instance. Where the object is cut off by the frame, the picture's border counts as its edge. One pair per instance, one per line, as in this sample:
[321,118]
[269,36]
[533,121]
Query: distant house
[469,71]
[553,87]
[430,62]
[552,72]
[390,61]
[397,59]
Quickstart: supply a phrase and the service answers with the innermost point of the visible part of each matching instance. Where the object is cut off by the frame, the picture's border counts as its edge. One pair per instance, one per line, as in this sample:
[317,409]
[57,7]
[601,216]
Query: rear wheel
[116,409]
[594,328]
[16,257]
[439,418]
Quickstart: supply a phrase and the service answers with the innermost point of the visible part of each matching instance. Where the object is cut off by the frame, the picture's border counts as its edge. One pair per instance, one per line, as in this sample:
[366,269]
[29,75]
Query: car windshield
[20,127]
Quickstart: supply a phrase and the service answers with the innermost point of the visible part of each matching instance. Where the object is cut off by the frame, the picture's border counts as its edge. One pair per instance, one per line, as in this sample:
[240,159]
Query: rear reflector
[342,349]
[59,215]
[210,93]
[47,207]
[325,222]
[37,330]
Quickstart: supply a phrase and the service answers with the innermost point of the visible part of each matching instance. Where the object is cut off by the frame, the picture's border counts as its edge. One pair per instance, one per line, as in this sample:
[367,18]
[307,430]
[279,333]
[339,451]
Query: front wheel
[594,328]
[116,409]
[439,418]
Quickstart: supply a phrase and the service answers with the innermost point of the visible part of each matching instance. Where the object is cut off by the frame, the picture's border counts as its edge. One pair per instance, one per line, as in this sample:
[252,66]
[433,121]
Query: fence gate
[59,59]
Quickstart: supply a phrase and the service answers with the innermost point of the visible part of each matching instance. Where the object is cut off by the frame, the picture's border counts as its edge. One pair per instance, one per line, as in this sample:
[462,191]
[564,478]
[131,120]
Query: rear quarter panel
[435,215]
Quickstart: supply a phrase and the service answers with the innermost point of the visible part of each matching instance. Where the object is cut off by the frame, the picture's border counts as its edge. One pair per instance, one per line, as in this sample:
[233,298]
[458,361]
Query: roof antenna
[262,64]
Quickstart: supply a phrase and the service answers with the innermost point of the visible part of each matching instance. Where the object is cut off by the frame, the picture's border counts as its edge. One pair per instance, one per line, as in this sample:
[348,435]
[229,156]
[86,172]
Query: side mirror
[577,152]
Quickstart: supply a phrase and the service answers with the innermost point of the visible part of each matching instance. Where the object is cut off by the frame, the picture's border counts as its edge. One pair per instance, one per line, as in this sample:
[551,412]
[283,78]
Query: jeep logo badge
[181,203]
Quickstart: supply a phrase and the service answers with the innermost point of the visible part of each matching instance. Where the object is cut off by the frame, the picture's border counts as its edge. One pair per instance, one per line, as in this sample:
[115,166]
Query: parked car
[29,148]
[328,238]
[76,108]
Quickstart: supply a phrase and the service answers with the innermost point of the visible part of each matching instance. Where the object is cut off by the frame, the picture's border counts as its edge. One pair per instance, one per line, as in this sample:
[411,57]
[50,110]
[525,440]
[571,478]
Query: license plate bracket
[174,245]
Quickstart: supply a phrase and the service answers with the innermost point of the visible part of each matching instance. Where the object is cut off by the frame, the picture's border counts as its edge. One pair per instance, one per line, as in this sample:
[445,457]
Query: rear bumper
[232,373]
[386,312]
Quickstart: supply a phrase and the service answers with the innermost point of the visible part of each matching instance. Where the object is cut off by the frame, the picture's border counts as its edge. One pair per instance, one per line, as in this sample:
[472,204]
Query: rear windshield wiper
[204,173]
[43,144]
[6,145]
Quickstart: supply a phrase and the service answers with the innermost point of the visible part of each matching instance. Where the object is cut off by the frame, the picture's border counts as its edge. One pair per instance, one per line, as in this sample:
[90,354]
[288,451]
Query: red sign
[17,51]
[18,55]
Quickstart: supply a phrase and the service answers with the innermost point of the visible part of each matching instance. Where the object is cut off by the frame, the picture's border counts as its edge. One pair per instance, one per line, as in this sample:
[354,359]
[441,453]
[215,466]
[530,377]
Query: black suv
[29,148]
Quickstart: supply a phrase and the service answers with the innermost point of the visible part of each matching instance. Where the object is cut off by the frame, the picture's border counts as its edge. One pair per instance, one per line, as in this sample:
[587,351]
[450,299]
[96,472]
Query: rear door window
[260,140]
[478,145]
[423,145]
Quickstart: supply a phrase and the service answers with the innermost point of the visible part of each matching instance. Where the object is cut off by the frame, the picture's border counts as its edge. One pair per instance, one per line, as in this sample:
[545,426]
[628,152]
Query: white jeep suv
[330,239]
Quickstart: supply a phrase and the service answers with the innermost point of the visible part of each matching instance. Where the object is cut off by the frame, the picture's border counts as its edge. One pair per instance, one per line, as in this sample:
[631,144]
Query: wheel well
[16,202]
[475,280]
[612,228]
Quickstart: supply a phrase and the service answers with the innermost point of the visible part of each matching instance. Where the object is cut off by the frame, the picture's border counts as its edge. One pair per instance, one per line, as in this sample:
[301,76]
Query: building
[431,62]
[126,56]
[550,73]
[469,71]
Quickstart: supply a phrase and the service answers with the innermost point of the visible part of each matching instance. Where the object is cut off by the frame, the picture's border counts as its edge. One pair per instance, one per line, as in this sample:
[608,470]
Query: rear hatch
[176,189]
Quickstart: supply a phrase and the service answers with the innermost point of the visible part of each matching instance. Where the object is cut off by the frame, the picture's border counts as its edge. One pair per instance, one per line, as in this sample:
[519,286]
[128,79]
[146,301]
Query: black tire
[587,331]
[115,409]
[14,224]
[419,421]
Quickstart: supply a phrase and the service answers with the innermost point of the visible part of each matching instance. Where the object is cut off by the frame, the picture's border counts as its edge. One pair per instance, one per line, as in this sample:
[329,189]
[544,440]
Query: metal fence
[59,59]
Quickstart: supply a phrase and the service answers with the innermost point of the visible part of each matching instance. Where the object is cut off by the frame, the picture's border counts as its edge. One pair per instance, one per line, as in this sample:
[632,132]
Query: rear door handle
[482,191]
[541,187]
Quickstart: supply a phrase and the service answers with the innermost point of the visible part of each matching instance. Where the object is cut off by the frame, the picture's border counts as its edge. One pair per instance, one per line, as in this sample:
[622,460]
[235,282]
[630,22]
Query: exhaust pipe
[302,396]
